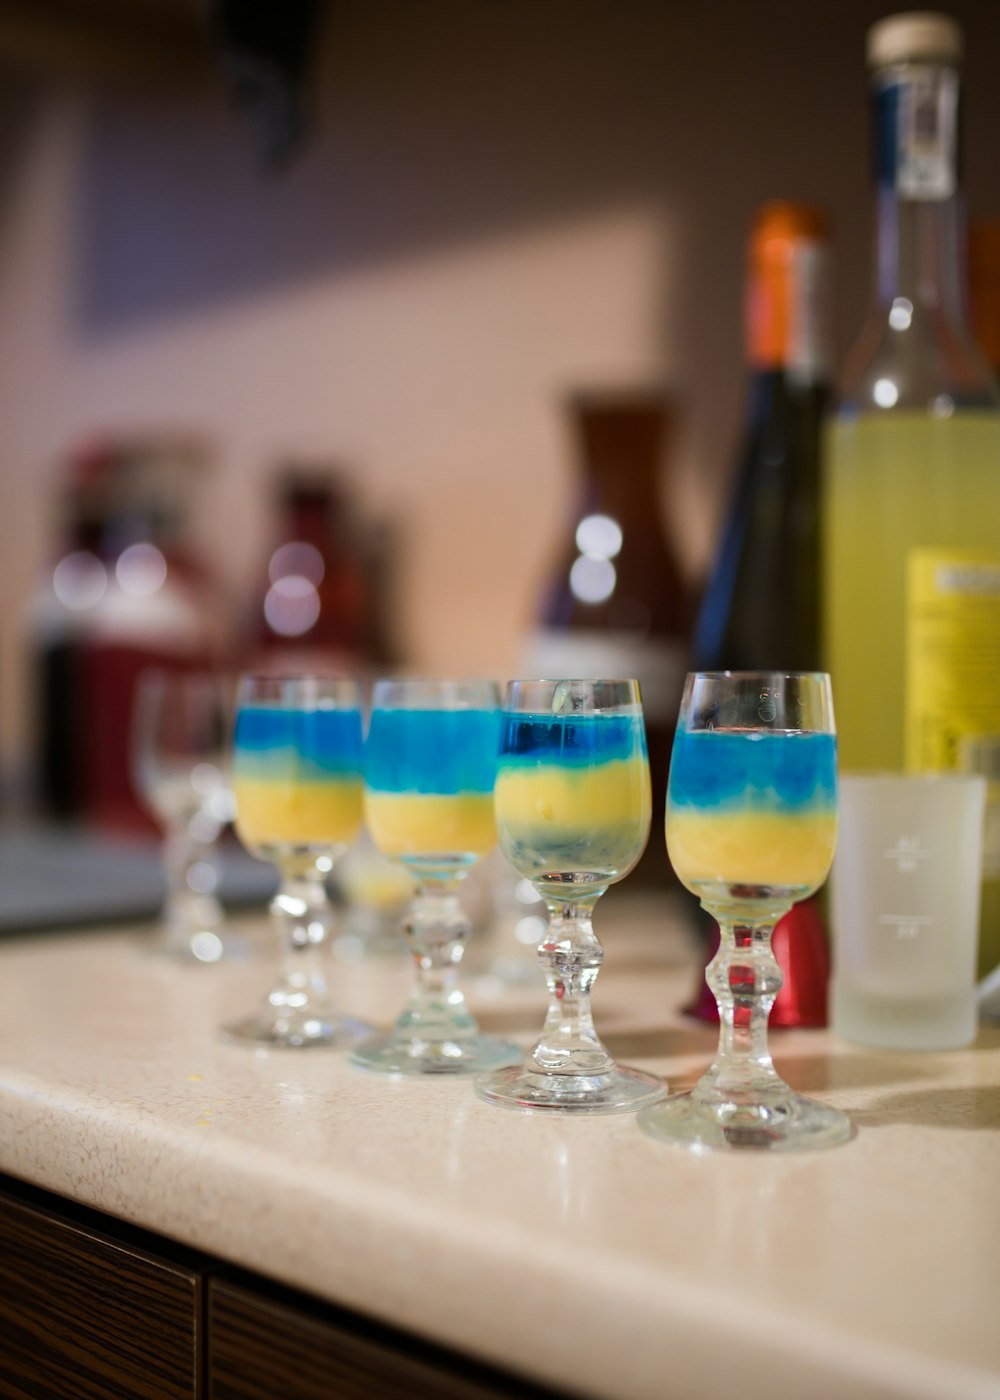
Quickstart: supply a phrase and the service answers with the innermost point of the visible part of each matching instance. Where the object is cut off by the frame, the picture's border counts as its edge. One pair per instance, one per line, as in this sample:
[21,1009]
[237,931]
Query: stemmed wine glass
[430,766]
[179,727]
[297,779]
[751,827]
[573,815]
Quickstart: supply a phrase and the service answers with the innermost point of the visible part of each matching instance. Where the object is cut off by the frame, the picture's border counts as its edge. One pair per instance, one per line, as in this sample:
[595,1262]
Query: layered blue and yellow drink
[573,796]
[429,783]
[297,776]
[751,826]
[752,809]
[573,815]
[297,761]
[430,766]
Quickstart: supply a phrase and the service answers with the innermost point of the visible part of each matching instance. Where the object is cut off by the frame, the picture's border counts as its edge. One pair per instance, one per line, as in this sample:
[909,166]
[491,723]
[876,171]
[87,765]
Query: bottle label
[918,135]
[789,316]
[588,654]
[953,673]
[810,330]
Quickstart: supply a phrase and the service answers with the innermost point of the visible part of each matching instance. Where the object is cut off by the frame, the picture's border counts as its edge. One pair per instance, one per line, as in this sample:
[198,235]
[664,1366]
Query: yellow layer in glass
[431,823]
[755,848]
[570,817]
[325,812]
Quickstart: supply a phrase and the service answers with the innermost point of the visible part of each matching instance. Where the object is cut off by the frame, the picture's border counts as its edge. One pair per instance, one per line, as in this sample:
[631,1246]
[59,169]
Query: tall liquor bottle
[760,610]
[912,478]
[616,604]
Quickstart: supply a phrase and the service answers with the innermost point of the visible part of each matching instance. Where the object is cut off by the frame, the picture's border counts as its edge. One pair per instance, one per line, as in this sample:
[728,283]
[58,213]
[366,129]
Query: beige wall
[505,200]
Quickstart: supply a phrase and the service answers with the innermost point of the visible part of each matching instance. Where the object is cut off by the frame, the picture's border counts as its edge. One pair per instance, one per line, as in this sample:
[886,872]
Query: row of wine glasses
[559,774]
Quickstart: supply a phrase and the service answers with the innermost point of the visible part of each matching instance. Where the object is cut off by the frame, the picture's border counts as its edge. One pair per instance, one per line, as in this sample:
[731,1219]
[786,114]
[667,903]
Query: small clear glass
[751,826]
[430,766]
[297,757]
[573,817]
[180,724]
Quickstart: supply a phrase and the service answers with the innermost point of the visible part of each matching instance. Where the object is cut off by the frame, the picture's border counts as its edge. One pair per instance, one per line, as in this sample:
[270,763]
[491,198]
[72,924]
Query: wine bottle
[912,475]
[760,610]
[616,604]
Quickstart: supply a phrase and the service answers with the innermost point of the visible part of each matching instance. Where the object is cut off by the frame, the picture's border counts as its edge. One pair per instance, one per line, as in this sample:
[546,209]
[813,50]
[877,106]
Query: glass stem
[435,930]
[571,957]
[190,907]
[745,977]
[304,919]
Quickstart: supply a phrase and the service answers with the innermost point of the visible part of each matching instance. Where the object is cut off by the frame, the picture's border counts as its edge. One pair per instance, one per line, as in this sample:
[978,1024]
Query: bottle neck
[919,249]
[788,322]
[621,454]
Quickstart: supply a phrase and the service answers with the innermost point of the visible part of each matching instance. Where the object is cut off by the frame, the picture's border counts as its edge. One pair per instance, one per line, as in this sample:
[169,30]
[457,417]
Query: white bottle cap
[919,34]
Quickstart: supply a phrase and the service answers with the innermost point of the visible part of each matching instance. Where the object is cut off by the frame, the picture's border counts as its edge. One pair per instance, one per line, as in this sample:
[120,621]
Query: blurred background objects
[319,277]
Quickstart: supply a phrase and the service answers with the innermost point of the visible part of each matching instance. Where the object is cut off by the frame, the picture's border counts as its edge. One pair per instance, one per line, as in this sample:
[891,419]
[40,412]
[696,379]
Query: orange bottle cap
[778,298]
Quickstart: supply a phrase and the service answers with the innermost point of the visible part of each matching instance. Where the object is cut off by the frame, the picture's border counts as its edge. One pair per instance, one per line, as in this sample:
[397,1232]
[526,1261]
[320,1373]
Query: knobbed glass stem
[304,920]
[569,1068]
[436,1033]
[742,1101]
[298,1011]
[745,979]
[191,913]
[435,930]
[571,957]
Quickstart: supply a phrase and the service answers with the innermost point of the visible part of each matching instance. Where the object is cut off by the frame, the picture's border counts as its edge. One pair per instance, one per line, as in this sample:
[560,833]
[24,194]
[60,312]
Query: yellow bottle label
[953,673]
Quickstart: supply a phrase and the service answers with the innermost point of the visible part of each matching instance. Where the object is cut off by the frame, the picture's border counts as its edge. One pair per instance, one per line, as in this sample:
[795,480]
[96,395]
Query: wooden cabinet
[92,1309]
[88,1311]
[267,1343]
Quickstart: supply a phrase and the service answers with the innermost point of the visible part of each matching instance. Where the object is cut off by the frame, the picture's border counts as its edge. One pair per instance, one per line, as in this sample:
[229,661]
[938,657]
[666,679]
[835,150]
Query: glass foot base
[297,1032]
[390,1055]
[789,1124]
[617,1090]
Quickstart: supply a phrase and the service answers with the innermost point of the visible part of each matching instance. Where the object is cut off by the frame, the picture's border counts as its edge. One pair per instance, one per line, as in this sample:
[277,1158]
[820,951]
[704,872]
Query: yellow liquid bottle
[912,476]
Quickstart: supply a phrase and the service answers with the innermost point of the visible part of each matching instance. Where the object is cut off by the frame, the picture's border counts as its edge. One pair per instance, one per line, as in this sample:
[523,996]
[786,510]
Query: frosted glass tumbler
[905,909]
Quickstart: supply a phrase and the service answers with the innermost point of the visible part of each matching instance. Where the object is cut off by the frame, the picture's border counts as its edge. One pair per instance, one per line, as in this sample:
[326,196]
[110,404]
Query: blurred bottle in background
[912,477]
[125,592]
[321,604]
[616,605]
[60,622]
[760,610]
[984,287]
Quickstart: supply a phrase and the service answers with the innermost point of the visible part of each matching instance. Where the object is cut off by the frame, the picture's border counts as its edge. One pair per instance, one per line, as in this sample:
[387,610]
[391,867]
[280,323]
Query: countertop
[577,1252]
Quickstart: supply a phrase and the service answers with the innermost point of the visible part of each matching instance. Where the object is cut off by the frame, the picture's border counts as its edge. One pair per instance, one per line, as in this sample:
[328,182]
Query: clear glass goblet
[751,826]
[180,724]
[573,815]
[297,755]
[430,766]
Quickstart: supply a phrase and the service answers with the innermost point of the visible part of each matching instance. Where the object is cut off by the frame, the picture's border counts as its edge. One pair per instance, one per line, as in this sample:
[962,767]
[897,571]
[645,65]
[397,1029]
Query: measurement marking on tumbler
[907,853]
[906,925]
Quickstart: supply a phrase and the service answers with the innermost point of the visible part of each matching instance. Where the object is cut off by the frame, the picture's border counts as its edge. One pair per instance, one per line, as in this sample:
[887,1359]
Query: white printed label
[926,164]
[810,333]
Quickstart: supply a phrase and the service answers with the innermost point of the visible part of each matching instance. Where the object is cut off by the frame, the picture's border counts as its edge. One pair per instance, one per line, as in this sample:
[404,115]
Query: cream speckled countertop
[576,1251]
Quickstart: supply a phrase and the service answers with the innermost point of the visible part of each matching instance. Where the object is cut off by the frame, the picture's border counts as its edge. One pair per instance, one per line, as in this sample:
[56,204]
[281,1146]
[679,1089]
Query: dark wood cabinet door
[274,1345]
[87,1316]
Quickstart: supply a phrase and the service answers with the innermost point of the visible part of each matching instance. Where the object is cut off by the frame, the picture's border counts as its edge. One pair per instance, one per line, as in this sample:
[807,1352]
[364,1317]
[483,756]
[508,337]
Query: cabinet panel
[85,1316]
[265,1345]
